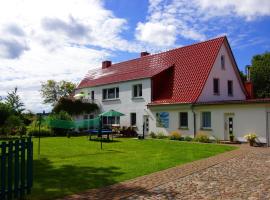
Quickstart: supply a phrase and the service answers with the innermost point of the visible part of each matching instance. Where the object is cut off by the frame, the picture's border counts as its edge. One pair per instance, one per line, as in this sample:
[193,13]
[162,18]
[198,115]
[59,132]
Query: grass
[73,165]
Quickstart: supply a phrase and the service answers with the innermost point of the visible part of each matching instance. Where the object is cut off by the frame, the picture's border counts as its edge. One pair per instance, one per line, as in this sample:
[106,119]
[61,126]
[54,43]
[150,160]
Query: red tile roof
[192,65]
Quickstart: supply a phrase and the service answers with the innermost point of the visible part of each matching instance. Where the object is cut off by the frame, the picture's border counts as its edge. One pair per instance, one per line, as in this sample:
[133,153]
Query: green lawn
[73,165]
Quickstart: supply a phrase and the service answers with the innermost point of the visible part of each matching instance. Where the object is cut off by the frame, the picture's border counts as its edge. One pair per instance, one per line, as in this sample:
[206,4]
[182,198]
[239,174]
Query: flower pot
[231,138]
[251,143]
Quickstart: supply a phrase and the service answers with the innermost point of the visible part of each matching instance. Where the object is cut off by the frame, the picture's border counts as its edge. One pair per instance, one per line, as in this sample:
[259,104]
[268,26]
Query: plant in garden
[188,138]
[251,137]
[175,135]
[160,135]
[202,137]
[152,135]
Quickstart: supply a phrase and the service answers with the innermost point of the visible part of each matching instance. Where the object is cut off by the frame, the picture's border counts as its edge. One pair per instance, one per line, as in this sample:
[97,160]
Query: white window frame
[228,88]
[202,120]
[107,93]
[137,86]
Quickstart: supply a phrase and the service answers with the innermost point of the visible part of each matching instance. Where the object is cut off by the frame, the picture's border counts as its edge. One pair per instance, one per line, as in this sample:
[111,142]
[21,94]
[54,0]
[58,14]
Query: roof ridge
[174,49]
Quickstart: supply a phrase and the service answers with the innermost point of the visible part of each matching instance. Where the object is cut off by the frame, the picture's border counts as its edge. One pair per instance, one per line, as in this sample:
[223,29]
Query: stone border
[142,184]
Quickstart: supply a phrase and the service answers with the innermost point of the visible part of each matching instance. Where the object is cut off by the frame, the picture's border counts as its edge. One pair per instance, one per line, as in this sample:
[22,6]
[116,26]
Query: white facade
[126,103]
[224,75]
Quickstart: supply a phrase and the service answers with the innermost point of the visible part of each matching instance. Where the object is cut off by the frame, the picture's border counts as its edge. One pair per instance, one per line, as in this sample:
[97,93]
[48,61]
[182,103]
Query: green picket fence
[16,168]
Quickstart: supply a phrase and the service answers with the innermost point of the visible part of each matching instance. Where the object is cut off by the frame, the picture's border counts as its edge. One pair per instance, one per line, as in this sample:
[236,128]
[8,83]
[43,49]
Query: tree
[52,90]
[74,107]
[13,100]
[5,112]
[260,75]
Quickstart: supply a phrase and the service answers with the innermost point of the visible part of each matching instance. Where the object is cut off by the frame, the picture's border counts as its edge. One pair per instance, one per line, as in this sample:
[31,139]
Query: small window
[111,93]
[222,60]
[137,90]
[230,88]
[206,119]
[110,120]
[183,116]
[92,95]
[216,86]
[133,119]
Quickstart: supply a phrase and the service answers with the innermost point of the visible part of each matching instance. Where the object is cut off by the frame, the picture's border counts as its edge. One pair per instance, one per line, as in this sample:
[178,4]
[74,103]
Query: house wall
[125,104]
[223,75]
[248,118]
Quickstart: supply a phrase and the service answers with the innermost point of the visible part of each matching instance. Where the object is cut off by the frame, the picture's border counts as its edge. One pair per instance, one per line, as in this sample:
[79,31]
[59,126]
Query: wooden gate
[16,168]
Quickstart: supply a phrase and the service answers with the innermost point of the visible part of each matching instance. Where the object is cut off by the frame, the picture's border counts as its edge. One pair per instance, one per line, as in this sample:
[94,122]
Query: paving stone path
[240,174]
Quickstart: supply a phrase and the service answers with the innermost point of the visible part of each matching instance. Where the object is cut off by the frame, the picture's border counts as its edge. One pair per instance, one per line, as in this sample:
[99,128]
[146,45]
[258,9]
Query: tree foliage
[52,91]
[74,107]
[5,112]
[260,75]
[13,100]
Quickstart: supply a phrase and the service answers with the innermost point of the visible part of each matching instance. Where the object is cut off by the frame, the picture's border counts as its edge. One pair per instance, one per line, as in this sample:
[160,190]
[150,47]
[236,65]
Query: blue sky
[62,40]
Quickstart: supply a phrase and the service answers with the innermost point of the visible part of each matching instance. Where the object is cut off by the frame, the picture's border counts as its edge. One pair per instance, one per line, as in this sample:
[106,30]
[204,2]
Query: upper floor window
[137,90]
[222,59]
[183,117]
[206,120]
[230,88]
[216,86]
[110,93]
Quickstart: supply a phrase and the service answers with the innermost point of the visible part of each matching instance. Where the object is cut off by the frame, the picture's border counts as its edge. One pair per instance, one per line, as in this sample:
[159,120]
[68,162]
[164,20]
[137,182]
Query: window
[110,120]
[222,60]
[111,93]
[92,95]
[230,88]
[133,119]
[216,86]
[183,116]
[137,90]
[206,119]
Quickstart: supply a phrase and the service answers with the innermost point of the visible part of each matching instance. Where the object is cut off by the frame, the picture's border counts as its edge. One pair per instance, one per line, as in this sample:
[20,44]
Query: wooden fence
[16,168]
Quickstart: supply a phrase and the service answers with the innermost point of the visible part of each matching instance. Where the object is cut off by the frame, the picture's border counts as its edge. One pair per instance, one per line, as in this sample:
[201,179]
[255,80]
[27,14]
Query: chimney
[106,64]
[249,89]
[144,53]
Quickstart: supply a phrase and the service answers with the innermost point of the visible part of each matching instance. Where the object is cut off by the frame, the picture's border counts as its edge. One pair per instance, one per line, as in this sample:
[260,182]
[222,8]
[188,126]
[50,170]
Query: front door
[146,124]
[228,126]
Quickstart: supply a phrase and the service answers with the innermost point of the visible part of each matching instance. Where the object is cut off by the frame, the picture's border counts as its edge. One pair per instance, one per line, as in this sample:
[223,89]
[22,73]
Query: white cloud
[54,39]
[168,21]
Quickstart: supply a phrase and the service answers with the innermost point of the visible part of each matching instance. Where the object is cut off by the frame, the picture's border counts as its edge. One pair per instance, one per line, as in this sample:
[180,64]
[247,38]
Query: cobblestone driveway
[239,174]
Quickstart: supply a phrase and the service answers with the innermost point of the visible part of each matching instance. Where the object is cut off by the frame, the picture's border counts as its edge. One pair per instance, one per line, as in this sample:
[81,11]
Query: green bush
[202,137]
[188,138]
[34,131]
[160,135]
[152,135]
[175,135]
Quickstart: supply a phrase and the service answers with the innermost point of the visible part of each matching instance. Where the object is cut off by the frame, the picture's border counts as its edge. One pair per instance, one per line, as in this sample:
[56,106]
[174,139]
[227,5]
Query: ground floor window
[133,119]
[183,119]
[206,119]
[110,120]
[162,119]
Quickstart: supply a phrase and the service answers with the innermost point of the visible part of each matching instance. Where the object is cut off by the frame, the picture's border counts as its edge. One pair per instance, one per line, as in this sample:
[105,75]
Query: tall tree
[260,74]
[52,91]
[13,100]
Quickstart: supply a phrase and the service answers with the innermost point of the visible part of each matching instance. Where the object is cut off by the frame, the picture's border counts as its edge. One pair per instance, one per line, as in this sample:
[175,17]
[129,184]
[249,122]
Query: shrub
[152,135]
[160,135]
[175,135]
[202,137]
[33,131]
[188,138]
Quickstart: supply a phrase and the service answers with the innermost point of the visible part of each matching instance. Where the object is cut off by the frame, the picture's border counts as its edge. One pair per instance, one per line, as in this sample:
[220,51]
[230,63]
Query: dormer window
[222,60]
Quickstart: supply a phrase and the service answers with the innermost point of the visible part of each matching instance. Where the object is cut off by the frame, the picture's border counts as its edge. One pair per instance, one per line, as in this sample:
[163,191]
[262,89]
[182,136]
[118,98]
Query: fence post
[16,169]
[9,169]
[22,186]
[3,170]
[29,165]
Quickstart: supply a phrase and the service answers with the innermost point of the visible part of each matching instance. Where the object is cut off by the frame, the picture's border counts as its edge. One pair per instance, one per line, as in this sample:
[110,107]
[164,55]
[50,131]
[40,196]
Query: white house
[192,88]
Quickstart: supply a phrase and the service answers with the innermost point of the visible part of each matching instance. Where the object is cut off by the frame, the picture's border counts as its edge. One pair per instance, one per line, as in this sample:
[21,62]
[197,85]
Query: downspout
[267,129]
[194,120]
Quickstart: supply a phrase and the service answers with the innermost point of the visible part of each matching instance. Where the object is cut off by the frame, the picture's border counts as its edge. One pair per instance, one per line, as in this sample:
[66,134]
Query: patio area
[240,174]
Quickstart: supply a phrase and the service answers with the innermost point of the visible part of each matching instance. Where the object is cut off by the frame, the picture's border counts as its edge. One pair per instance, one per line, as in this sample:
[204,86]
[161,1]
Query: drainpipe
[194,120]
[267,129]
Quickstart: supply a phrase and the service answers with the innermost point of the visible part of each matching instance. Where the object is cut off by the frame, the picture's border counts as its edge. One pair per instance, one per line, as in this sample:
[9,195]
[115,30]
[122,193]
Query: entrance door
[229,126]
[146,124]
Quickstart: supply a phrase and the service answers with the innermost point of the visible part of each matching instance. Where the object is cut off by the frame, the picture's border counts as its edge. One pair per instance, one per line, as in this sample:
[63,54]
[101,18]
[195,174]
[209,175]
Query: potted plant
[251,137]
[231,137]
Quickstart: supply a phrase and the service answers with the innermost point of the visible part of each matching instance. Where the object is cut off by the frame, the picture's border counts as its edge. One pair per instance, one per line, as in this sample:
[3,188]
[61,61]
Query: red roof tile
[192,65]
